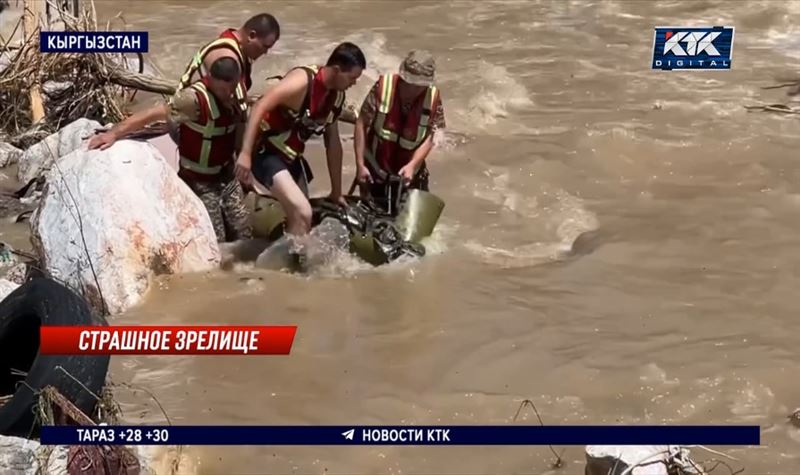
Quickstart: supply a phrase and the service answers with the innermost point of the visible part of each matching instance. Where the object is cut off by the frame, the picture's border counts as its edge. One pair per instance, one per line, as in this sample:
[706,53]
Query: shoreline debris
[781,108]
[43,91]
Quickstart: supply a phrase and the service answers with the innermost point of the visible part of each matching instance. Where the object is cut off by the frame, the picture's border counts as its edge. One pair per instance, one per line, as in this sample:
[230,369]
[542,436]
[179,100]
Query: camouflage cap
[418,68]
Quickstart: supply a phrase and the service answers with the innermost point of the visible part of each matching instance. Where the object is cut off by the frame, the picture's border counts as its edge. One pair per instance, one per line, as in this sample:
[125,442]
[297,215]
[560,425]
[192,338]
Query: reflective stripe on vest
[197,63]
[279,141]
[387,93]
[209,131]
[385,105]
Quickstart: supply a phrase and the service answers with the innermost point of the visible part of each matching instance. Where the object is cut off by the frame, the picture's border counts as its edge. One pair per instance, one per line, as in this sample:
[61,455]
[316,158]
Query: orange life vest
[286,132]
[207,145]
[392,139]
[226,39]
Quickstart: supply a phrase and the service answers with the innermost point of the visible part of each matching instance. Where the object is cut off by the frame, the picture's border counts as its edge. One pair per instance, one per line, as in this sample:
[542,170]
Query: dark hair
[225,69]
[347,56]
[264,25]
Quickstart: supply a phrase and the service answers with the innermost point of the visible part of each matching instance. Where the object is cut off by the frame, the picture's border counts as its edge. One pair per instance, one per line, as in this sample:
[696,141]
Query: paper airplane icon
[349,434]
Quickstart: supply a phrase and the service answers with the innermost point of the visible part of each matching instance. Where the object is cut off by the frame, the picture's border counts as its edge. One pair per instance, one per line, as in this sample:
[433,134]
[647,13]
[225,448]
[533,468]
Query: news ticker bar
[401,435]
[166,340]
[93,41]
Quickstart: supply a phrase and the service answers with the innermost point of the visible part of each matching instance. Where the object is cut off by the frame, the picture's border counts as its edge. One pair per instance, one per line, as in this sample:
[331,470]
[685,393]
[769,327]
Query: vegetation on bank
[41,92]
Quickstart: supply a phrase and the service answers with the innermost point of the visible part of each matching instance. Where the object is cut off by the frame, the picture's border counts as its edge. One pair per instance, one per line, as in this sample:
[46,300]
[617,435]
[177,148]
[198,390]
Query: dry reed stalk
[75,85]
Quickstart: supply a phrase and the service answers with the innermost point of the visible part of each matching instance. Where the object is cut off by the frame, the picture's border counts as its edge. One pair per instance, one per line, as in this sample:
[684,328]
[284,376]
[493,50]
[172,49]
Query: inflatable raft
[378,234]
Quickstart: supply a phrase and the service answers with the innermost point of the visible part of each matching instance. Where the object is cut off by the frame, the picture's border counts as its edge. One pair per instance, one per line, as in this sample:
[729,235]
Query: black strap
[337,108]
[307,99]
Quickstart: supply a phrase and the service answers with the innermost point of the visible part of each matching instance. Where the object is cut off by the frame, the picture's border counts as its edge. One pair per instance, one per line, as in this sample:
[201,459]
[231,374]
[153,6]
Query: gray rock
[636,459]
[5,60]
[6,287]
[9,154]
[18,273]
[55,88]
[39,158]
[20,456]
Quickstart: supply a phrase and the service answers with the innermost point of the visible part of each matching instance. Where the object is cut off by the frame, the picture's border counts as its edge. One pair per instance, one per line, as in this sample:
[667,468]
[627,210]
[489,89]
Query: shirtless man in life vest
[394,130]
[306,102]
[205,116]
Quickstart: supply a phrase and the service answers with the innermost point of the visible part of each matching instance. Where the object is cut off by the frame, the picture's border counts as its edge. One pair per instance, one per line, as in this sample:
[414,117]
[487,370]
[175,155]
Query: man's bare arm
[422,152]
[289,92]
[359,141]
[133,123]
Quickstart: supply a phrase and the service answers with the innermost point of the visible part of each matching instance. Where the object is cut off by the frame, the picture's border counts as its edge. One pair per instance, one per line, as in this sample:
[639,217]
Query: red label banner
[167,340]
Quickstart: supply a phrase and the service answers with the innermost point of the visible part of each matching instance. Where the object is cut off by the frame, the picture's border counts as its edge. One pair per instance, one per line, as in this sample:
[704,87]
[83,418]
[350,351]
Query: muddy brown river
[620,245]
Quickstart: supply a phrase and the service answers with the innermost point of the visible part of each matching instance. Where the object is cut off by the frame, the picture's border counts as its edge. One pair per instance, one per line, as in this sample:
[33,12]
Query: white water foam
[499,94]
[335,261]
[558,218]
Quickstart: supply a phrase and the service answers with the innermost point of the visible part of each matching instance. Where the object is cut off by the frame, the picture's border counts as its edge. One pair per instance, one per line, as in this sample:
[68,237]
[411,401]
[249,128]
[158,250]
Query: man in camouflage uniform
[398,105]
[222,195]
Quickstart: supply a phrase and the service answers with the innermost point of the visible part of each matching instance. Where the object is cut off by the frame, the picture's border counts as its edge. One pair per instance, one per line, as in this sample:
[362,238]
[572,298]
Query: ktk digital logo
[693,48]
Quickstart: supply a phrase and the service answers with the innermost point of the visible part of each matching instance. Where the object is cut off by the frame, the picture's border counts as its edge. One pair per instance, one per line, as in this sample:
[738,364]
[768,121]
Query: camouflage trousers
[224,201]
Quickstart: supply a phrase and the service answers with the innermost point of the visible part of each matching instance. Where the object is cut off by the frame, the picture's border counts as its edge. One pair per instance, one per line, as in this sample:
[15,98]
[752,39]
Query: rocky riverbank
[106,222]
[103,223]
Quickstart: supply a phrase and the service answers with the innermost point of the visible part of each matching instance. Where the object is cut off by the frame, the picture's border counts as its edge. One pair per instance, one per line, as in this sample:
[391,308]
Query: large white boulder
[125,211]
[167,147]
[39,158]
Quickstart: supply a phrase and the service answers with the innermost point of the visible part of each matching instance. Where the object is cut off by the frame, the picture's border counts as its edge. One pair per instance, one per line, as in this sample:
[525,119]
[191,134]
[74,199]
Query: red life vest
[207,145]
[226,39]
[285,131]
[392,139]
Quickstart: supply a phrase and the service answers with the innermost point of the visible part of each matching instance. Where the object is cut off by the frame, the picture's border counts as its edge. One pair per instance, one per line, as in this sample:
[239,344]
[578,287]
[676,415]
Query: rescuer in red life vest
[253,40]
[307,101]
[205,117]
[395,127]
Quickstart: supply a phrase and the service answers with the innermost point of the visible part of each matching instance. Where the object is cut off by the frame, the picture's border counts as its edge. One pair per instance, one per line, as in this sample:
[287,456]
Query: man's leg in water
[287,182]
[211,195]
[234,209]
[294,202]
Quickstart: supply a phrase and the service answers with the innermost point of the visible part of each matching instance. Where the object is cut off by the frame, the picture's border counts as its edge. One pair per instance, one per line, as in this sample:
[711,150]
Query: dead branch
[62,412]
[73,86]
[780,108]
[793,84]
[152,396]
[527,402]
[140,81]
